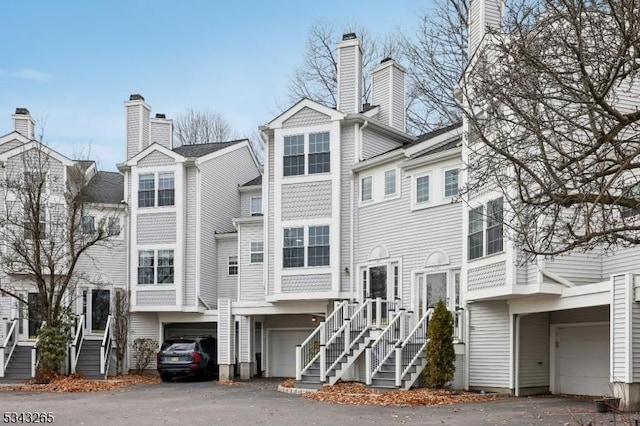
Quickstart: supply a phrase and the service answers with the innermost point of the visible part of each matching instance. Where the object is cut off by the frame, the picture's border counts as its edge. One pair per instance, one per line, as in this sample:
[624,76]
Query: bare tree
[554,123]
[317,79]
[41,229]
[436,56]
[201,126]
[120,327]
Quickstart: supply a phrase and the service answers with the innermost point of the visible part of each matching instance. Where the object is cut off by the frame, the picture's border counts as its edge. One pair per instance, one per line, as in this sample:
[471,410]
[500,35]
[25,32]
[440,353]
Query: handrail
[11,340]
[357,322]
[406,353]
[35,360]
[383,346]
[76,346]
[309,350]
[105,347]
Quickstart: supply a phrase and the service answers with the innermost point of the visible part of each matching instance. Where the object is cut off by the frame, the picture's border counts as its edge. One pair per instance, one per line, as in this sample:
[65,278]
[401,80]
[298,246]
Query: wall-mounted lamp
[314,319]
[347,271]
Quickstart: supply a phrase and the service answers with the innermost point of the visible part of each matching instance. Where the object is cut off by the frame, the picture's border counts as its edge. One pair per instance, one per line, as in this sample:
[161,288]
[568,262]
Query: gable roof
[202,149]
[254,182]
[105,187]
[446,145]
[298,106]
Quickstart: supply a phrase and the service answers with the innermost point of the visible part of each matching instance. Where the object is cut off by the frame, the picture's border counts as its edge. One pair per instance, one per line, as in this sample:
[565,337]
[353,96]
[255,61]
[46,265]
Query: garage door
[282,351]
[582,366]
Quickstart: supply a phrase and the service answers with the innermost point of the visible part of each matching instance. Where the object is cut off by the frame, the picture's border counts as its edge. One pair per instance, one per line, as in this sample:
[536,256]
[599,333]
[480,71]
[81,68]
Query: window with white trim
[257,251]
[233,265]
[31,231]
[366,188]
[319,153]
[293,155]
[165,194]
[485,233]
[313,251]
[255,206]
[155,267]
[632,192]
[451,182]
[422,189]
[390,182]
[113,226]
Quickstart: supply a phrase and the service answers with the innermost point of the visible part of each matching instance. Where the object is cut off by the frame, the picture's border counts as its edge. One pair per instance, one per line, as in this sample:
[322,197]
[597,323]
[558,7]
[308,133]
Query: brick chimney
[483,14]
[162,131]
[349,74]
[137,111]
[23,123]
[388,92]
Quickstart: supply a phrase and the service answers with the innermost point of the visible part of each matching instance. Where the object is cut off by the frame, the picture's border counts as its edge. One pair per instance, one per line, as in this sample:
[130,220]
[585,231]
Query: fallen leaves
[352,393]
[77,383]
[228,383]
[288,383]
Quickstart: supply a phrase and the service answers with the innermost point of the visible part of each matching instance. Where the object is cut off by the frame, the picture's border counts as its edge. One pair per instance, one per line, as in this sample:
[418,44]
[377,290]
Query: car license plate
[175,359]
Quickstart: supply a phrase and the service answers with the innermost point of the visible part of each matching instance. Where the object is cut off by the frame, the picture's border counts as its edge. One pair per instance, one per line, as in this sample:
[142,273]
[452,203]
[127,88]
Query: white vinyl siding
[156,228]
[306,200]
[252,279]
[143,325]
[228,260]
[619,326]
[534,351]
[306,117]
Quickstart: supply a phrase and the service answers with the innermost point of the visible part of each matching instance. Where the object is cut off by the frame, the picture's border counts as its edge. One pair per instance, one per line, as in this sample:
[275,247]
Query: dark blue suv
[188,357]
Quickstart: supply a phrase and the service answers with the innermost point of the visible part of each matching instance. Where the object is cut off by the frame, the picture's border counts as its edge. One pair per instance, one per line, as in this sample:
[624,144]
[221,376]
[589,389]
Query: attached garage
[582,359]
[281,346]
[192,329]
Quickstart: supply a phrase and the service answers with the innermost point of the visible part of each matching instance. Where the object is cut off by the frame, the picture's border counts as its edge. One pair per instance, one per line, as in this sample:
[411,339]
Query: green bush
[441,354]
[53,341]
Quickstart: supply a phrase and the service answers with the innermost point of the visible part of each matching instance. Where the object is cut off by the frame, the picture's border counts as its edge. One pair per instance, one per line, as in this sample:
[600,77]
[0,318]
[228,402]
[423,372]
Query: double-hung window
[256,206]
[233,265]
[88,224]
[485,233]
[319,153]
[257,251]
[155,267]
[366,188]
[293,248]
[146,190]
[31,226]
[451,182]
[318,250]
[390,182]
[293,155]
[632,192]
[166,190]
[422,189]
[113,226]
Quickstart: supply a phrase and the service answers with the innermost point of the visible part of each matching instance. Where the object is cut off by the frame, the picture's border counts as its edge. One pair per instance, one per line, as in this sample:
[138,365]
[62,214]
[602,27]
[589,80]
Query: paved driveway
[258,403]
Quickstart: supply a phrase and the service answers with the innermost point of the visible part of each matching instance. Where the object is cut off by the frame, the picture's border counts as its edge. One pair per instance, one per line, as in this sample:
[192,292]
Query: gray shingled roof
[105,187]
[433,134]
[443,146]
[254,181]
[199,150]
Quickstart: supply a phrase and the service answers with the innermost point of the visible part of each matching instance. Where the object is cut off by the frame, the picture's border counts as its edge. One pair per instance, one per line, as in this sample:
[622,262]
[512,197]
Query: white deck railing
[412,347]
[105,347]
[309,350]
[382,348]
[35,359]
[76,345]
[8,345]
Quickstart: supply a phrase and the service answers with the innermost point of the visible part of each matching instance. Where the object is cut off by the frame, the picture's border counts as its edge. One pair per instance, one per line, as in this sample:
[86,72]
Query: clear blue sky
[73,63]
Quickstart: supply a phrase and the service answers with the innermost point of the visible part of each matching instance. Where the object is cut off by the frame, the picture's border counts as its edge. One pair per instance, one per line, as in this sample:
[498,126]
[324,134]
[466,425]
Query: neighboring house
[567,325]
[181,201]
[100,269]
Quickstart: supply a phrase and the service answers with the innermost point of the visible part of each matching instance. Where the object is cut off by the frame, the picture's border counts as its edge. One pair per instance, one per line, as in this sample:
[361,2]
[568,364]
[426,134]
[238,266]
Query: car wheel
[165,377]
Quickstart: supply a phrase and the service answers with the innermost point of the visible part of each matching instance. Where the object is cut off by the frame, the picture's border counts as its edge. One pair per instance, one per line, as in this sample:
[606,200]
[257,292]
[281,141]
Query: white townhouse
[100,271]
[568,325]
[180,202]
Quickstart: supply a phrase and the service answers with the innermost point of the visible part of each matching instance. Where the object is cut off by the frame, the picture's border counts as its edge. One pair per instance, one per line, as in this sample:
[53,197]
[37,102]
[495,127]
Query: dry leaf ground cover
[351,393]
[77,383]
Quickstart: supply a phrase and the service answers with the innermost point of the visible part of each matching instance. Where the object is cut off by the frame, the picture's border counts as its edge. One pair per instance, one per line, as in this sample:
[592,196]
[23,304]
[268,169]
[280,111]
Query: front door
[96,306]
[30,317]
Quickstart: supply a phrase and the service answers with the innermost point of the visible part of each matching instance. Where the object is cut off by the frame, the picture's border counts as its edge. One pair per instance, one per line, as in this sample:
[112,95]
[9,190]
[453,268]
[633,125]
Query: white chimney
[23,123]
[162,131]
[349,74]
[483,14]
[138,112]
[388,92]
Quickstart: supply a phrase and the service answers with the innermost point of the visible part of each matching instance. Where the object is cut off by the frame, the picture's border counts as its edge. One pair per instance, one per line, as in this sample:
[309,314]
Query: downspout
[352,202]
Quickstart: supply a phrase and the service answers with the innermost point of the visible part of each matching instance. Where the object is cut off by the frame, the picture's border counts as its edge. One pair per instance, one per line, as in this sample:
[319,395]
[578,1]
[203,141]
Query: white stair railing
[8,346]
[458,326]
[309,350]
[412,347]
[76,345]
[383,347]
[105,347]
[336,347]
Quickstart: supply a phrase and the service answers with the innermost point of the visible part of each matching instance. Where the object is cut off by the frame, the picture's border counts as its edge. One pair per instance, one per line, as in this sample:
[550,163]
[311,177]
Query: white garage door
[282,351]
[582,366]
